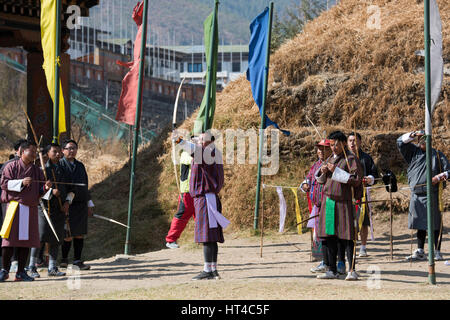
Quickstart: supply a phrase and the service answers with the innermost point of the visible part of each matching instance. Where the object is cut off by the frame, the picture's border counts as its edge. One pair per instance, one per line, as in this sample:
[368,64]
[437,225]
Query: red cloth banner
[126,111]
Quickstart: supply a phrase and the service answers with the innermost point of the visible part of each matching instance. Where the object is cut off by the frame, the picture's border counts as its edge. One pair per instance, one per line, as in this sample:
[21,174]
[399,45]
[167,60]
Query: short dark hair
[337,135]
[66,142]
[50,146]
[26,144]
[18,143]
[355,134]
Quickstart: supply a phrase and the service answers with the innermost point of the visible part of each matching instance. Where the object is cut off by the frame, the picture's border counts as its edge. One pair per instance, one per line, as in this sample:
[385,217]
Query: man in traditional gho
[341,176]
[185,208]
[59,207]
[207,178]
[314,193]
[415,156]
[370,176]
[81,205]
[21,190]
[13,157]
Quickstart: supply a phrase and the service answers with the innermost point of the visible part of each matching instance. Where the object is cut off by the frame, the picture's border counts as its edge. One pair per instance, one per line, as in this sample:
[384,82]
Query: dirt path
[281,273]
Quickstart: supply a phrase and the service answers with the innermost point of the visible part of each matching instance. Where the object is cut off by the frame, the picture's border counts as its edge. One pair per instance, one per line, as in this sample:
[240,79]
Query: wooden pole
[355,223]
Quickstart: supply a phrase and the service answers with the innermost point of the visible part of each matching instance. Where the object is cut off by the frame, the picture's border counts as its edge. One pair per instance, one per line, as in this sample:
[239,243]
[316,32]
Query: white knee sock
[207,267]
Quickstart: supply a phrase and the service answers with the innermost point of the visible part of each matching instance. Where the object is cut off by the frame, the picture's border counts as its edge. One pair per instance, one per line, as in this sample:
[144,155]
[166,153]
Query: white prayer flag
[282,208]
[436,62]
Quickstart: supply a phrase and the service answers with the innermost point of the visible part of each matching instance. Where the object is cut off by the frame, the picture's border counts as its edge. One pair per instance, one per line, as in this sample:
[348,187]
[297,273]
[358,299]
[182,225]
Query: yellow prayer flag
[363,208]
[441,196]
[297,212]
[48,41]
[9,217]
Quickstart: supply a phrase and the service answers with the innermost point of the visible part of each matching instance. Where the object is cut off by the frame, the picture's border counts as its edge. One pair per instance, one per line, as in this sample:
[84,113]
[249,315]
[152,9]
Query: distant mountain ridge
[180,22]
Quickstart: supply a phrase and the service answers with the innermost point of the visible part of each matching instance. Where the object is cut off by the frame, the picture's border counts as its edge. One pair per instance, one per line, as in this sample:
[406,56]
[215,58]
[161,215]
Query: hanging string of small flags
[283,206]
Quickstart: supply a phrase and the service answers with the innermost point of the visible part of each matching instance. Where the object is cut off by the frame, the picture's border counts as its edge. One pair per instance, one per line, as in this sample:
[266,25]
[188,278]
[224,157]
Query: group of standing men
[337,188]
[31,196]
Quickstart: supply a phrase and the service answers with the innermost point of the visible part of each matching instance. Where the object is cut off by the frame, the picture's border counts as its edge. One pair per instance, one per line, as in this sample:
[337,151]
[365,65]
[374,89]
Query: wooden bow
[174,125]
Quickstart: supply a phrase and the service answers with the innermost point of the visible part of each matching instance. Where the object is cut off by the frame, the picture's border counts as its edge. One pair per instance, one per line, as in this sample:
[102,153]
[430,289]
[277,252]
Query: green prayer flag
[211,43]
[329,216]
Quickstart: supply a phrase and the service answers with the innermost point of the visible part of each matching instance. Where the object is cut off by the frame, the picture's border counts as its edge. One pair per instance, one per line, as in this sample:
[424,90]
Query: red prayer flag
[126,110]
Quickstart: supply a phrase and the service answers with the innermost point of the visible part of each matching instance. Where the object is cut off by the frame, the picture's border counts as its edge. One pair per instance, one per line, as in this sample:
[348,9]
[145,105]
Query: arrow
[110,220]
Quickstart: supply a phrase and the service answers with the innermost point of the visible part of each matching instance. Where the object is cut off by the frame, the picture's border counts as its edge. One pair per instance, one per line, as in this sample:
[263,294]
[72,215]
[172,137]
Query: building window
[197,67]
[219,66]
[236,67]
[181,67]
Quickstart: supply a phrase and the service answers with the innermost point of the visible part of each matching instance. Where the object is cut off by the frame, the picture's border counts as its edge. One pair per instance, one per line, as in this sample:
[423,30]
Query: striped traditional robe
[206,178]
[315,193]
[29,196]
[341,193]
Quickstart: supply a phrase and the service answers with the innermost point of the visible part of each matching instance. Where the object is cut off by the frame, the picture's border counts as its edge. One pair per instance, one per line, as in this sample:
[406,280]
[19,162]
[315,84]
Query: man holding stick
[370,174]
[81,205]
[206,181]
[341,176]
[415,156]
[314,194]
[57,207]
[20,227]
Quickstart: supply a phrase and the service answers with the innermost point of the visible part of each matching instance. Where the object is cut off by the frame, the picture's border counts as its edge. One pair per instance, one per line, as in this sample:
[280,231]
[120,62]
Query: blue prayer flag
[257,70]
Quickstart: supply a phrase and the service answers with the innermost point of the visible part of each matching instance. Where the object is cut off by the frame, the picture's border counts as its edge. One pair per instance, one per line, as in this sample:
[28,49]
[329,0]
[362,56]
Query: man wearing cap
[314,195]
[415,156]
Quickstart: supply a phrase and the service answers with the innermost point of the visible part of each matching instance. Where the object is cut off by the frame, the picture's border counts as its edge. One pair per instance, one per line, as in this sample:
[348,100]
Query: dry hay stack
[340,72]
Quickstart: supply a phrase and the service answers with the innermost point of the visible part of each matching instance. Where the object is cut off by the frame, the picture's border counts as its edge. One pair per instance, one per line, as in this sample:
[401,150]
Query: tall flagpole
[263,118]
[57,63]
[430,196]
[210,67]
[136,124]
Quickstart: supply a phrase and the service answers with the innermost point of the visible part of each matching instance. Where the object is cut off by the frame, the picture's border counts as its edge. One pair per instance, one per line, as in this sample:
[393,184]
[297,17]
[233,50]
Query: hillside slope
[186,18]
[337,72]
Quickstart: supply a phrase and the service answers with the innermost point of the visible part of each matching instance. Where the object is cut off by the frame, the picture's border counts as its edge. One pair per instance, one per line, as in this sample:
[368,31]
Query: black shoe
[33,272]
[23,276]
[54,272]
[4,275]
[204,276]
[216,275]
[81,265]
[63,263]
